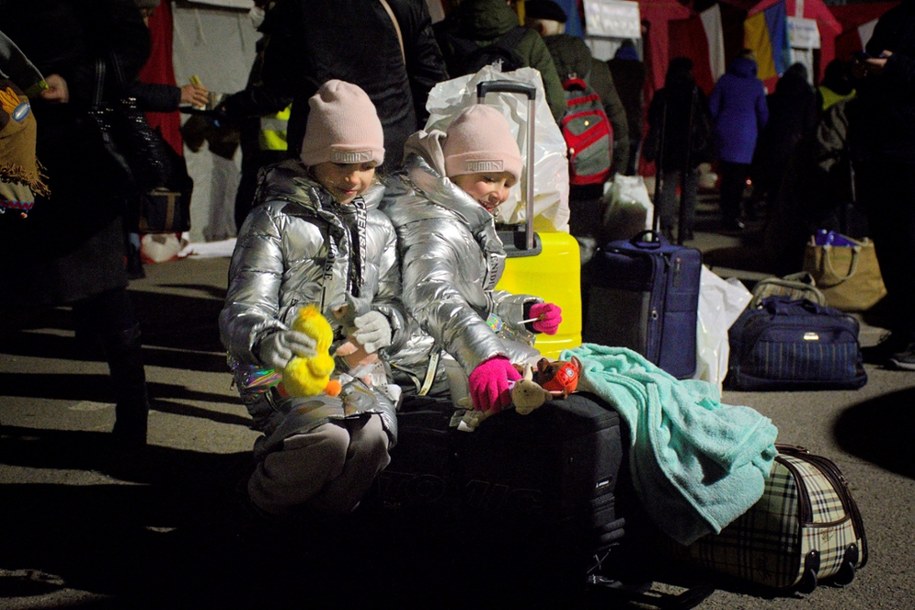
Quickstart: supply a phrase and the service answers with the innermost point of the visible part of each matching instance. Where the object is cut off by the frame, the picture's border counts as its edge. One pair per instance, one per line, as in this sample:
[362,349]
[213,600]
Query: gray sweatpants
[329,468]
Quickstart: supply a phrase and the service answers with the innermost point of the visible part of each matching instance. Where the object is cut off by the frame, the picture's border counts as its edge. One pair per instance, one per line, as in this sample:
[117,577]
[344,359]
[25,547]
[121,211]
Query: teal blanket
[696,464]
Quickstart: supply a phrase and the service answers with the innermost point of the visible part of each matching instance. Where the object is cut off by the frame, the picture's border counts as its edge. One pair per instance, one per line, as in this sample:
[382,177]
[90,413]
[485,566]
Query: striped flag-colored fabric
[766,34]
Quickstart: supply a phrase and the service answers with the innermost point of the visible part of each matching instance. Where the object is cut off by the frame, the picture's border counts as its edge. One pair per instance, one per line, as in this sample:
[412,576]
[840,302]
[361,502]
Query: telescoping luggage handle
[507,86]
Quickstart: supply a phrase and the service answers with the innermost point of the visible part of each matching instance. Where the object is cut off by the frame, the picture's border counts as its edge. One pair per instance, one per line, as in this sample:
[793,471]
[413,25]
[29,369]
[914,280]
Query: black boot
[125,361]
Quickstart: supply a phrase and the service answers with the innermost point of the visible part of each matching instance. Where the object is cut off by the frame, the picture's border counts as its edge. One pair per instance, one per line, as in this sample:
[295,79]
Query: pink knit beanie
[480,140]
[343,126]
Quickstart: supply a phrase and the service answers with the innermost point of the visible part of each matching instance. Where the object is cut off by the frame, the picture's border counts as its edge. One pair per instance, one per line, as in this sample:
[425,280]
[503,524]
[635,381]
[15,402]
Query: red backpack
[588,134]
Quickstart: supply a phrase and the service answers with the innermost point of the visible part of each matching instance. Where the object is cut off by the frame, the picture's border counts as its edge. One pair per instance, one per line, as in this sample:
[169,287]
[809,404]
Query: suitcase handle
[529,91]
[785,306]
[505,86]
[647,240]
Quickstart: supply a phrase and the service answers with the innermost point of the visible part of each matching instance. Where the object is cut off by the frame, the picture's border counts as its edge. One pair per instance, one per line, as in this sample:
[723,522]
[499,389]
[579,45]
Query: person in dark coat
[70,251]
[678,141]
[484,22]
[313,41]
[837,84]
[814,194]
[882,132]
[629,78]
[792,116]
[739,112]
[259,114]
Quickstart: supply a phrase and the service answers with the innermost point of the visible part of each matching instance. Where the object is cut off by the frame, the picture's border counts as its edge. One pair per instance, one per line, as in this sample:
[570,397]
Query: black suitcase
[643,294]
[525,503]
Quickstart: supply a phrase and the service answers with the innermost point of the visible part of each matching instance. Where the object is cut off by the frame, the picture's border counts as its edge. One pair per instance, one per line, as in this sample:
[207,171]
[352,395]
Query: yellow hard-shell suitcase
[551,271]
[544,264]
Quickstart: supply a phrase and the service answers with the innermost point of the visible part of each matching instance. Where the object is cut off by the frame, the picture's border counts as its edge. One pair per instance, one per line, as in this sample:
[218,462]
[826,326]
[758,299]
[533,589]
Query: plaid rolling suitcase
[806,529]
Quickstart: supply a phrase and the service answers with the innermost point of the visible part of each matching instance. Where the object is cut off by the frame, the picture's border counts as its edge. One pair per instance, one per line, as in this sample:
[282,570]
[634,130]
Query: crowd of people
[389,228]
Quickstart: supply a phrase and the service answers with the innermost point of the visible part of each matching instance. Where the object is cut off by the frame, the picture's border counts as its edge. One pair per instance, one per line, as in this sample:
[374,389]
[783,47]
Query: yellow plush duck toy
[309,376]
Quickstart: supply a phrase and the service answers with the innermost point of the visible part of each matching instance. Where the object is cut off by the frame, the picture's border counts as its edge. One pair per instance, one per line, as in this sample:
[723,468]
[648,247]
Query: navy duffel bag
[789,344]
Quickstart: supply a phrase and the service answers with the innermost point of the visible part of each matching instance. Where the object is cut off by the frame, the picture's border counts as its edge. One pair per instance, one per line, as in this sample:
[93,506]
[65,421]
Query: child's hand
[354,354]
[548,315]
[373,331]
[277,349]
[489,384]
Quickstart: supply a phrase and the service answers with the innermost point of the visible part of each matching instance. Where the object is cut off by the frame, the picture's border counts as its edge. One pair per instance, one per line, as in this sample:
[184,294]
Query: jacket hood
[570,54]
[485,19]
[743,67]
[424,164]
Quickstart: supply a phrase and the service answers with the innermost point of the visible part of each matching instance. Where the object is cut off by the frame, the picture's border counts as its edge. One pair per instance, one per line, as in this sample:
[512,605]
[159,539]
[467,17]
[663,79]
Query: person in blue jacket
[739,112]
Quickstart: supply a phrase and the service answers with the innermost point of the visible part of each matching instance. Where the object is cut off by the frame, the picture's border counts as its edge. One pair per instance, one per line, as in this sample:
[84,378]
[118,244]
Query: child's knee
[372,442]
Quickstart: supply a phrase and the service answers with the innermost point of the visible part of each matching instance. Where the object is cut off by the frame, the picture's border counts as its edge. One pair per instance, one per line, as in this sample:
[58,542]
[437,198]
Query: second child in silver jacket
[317,237]
[452,257]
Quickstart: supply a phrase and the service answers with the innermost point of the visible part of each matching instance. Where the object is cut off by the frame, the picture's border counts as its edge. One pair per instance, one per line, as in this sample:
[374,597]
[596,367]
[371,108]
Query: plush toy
[559,377]
[309,376]
[527,396]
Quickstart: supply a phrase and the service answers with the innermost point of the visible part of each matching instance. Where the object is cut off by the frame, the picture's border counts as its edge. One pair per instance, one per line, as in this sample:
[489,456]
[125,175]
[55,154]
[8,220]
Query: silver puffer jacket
[451,260]
[298,246]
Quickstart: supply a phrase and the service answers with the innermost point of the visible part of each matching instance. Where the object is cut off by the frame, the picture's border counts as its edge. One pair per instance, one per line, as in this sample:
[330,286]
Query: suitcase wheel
[846,572]
[808,580]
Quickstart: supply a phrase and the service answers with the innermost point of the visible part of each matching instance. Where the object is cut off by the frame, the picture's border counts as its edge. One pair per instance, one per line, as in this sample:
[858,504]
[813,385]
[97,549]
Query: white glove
[277,349]
[373,331]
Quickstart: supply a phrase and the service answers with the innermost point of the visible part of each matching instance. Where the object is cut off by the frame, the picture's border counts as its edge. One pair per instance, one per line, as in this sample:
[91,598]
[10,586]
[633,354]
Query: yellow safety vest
[273,130]
[830,97]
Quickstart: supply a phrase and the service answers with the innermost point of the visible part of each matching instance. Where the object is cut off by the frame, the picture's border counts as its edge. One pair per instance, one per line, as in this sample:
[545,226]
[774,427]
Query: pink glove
[489,389]
[549,315]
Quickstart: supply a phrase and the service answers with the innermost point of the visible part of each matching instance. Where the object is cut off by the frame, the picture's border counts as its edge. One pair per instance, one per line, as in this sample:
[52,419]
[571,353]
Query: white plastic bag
[627,208]
[551,166]
[161,247]
[720,304]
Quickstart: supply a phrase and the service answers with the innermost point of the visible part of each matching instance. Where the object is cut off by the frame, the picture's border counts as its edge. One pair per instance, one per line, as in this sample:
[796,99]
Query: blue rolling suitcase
[643,293]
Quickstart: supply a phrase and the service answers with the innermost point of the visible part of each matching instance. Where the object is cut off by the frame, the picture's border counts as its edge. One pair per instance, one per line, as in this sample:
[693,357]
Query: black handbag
[159,184]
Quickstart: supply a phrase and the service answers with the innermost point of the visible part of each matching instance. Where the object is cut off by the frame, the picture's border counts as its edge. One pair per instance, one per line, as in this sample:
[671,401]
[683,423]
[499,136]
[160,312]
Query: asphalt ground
[85,525]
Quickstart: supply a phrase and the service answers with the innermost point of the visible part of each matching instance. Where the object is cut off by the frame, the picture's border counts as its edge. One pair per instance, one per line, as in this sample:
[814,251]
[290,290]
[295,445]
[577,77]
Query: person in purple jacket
[739,112]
